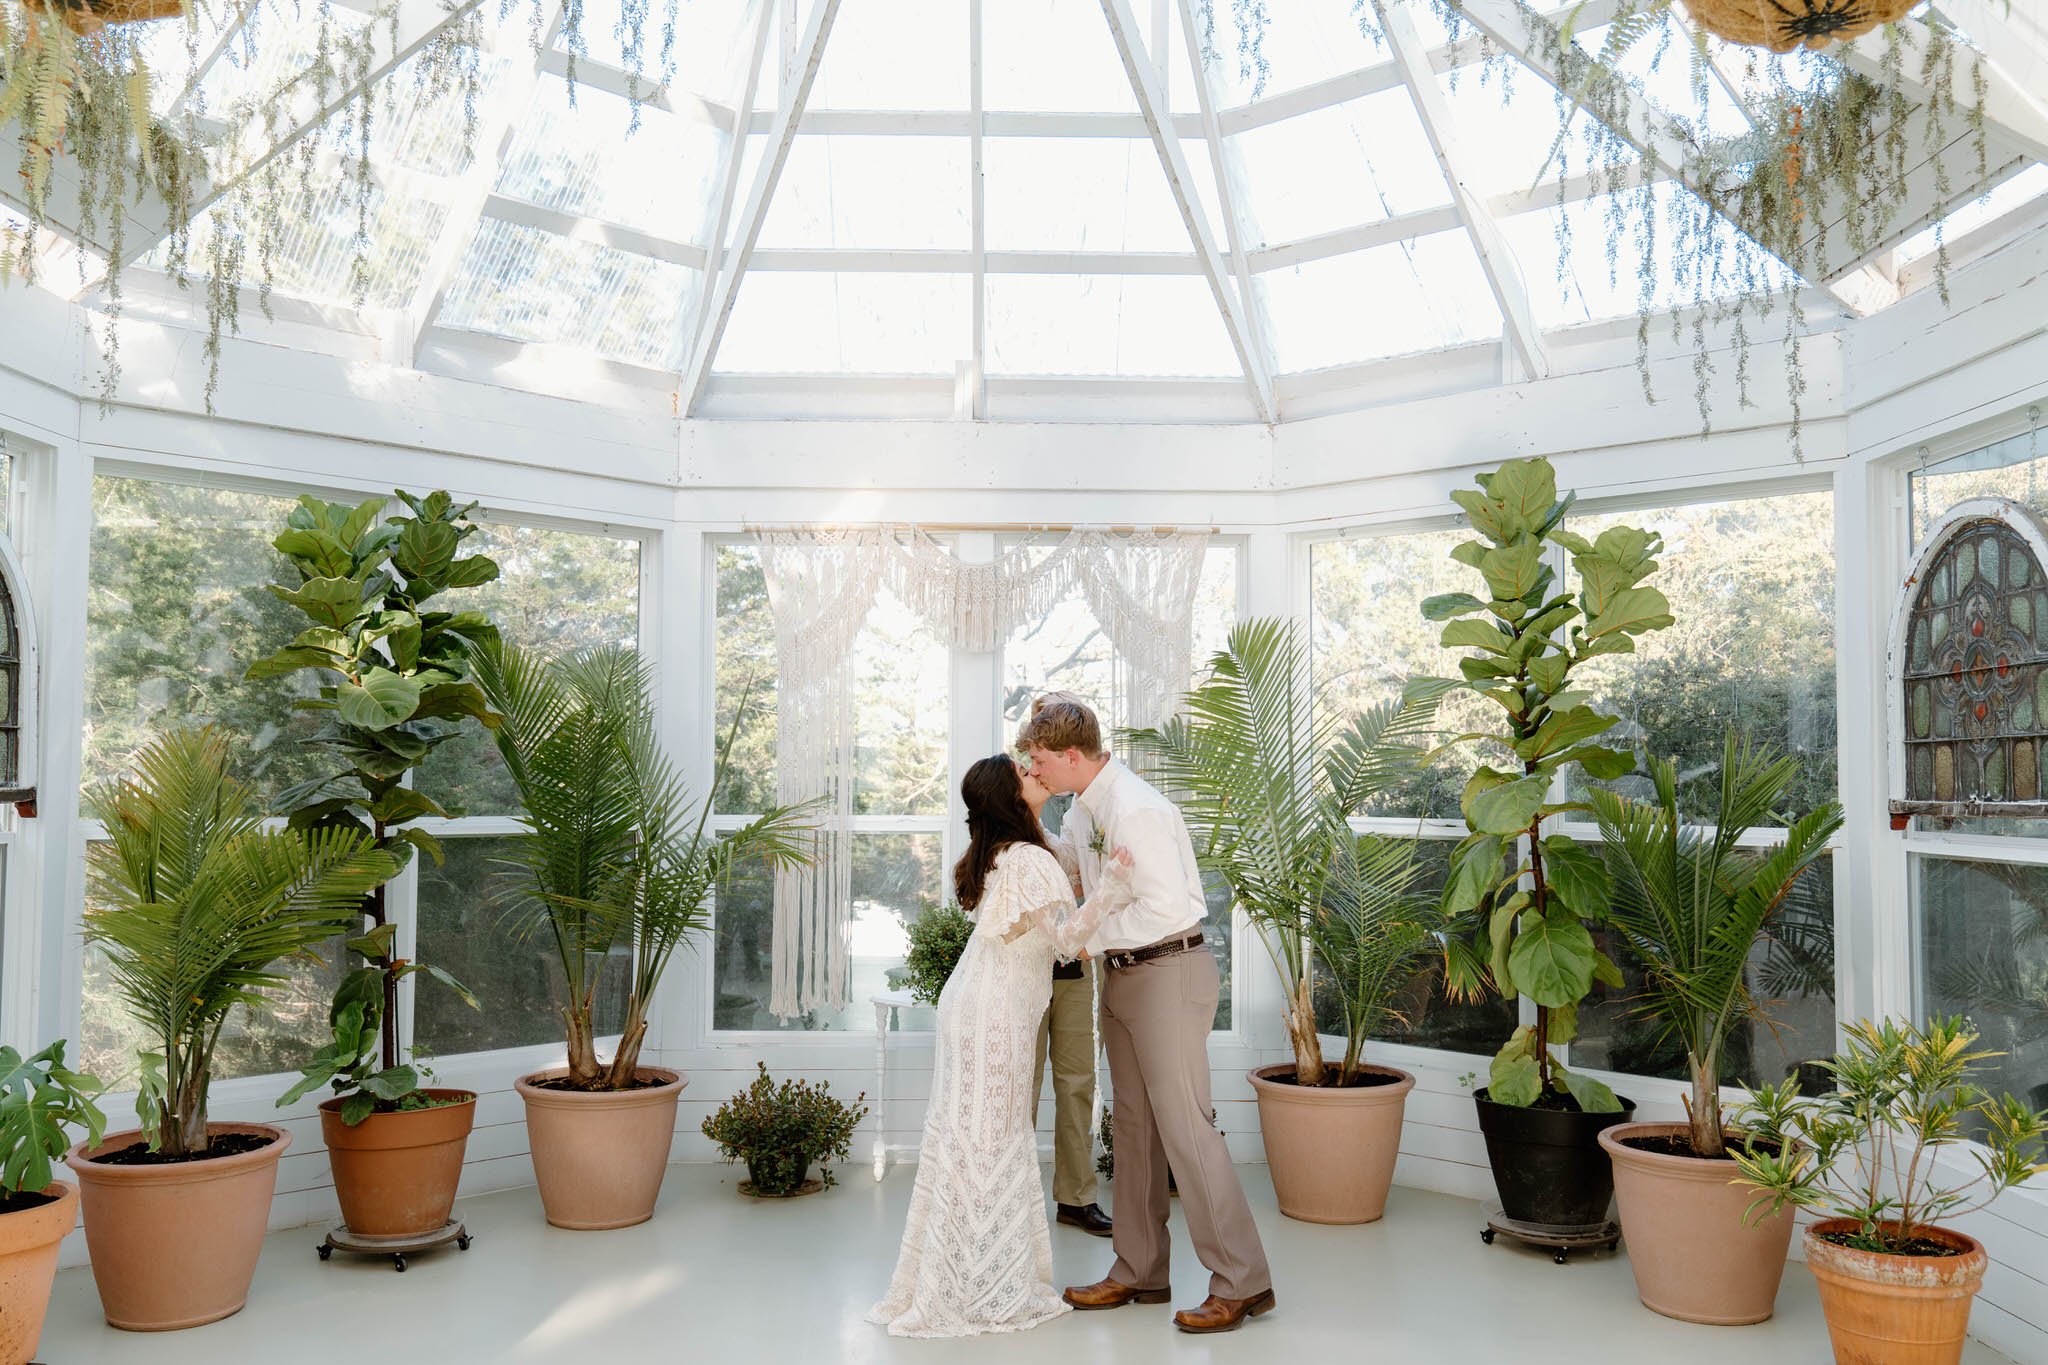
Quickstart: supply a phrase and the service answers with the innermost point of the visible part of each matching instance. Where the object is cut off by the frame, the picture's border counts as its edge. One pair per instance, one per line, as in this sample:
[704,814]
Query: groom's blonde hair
[1061,721]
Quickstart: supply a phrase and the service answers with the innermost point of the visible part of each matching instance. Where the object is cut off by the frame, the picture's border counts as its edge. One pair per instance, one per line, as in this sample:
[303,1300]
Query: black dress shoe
[1088,1217]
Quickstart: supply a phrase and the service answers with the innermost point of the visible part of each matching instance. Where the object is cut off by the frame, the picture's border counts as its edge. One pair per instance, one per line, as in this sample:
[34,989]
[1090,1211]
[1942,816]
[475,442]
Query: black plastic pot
[778,1175]
[1548,1166]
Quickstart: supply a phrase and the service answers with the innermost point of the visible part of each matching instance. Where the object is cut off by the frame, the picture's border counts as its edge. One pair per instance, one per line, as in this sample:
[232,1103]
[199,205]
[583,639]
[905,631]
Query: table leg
[882,1016]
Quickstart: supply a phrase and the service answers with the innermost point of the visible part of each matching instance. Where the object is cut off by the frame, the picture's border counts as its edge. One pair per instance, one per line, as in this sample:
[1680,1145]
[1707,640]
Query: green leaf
[1500,935]
[445,978]
[1562,729]
[426,549]
[1578,875]
[1446,605]
[358,521]
[358,1106]
[1508,808]
[472,571]
[1631,613]
[1572,541]
[1600,762]
[1563,1024]
[1470,634]
[1479,670]
[329,601]
[423,841]
[286,661]
[401,805]
[1593,1096]
[1548,671]
[382,701]
[318,552]
[1476,867]
[1514,1079]
[1516,501]
[394,1083]
[1514,571]
[1471,552]
[375,945]
[1552,959]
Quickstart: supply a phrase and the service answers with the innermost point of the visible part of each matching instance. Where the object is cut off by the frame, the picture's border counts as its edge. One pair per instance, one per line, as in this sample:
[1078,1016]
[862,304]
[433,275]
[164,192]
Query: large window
[177,608]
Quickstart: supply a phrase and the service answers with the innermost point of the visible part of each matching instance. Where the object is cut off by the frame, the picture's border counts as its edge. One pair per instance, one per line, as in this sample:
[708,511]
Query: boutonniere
[1099,844]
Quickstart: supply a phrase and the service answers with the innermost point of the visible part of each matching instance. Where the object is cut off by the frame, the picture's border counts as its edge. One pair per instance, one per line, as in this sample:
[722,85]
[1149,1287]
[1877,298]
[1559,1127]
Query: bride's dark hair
[997,816]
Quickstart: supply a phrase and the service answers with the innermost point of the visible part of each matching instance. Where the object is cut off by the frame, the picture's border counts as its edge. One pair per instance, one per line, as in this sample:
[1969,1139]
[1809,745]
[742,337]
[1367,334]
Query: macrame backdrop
[823,584]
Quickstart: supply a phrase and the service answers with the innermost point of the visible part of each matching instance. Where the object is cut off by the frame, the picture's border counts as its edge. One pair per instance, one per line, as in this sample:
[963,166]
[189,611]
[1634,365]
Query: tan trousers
[1155,1027]
[1067,1035]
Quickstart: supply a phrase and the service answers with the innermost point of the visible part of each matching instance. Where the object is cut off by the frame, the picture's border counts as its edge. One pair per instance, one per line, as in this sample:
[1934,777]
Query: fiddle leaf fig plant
[1527,897]
[395,684]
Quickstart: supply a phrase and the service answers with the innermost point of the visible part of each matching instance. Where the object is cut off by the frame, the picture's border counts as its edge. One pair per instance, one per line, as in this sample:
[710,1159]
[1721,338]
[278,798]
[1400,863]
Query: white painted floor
[719,1278]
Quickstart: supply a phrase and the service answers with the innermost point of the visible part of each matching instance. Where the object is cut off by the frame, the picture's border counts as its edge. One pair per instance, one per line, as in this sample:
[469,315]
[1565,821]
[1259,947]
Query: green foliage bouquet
[1531,896]
[780,1130]
[938,936]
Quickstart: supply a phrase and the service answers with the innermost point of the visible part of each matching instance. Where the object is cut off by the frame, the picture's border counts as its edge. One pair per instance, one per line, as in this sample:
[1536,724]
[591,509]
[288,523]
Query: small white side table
[886,1004]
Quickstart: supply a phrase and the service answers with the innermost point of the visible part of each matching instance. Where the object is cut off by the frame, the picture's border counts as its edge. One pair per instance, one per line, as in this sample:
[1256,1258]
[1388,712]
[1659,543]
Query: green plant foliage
[1867,1149]
[938,936]
[1529,898]
[39,1098]
[1268,787]
[194,902]
[781,1130]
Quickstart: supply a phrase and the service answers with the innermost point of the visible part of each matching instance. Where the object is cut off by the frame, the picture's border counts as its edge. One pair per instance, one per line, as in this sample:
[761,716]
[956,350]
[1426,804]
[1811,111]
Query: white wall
[1916,373]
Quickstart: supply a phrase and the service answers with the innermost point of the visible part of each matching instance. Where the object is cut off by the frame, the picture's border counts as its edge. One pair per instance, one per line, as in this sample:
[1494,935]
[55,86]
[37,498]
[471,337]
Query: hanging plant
[1782,25]
[105,139]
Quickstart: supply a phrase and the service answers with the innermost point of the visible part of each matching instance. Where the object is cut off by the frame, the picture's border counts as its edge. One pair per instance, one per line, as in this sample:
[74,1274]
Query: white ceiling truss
[758,127]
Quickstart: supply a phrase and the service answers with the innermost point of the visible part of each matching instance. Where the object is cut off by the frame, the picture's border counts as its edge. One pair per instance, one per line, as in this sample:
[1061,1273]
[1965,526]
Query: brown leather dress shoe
[1223,1315]
[1110,1294]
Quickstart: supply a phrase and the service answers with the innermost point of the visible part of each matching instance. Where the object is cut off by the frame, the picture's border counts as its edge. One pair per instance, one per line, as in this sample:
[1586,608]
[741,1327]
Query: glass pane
[1298,45]
[1051,55]
[588,159]
[1353,163]
[894,54]
[1135,325]
[745,634]
[894,877]
[1405,297]
[476,925]
[847,322]
[903,680]
[2015,468]
[712,38]
[1425,1017]
[1982,951]
[281,1036]
[879,193]
[1791,976]
[1752,588]
[1080,194]
[177,608]
[558,591]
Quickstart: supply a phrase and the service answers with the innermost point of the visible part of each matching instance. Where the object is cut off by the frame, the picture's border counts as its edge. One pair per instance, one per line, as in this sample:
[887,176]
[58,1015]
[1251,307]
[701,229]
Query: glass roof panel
[1051,55]
[1507,137]
[1105,325]
[852,322]
[1417,295]
[2024,188]
[1078,194]
[584,160]
[1357,162]
[1677,75]
[896,54]
[711,37]
[842,190]
[530,285]
[1302,44]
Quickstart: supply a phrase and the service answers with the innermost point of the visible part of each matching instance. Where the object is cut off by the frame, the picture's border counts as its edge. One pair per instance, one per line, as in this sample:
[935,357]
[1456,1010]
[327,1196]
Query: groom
[1159,993]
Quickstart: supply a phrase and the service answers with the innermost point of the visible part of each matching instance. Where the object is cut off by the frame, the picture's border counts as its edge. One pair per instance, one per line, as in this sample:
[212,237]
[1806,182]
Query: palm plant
[615,850]
[1691,903]
[194,902]
[1268,787]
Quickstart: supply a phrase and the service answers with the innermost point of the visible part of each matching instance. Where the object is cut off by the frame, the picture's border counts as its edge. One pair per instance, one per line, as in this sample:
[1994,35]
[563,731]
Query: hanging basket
[89,16]
[1782,25]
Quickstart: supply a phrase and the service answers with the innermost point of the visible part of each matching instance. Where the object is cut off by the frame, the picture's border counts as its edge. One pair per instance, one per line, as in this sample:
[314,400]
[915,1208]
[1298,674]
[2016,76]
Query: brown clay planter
[599,1156]
[176,1246]
[395,1174]
[28,1266]
[1693,1256]
[1331,1152]
[1895,1310]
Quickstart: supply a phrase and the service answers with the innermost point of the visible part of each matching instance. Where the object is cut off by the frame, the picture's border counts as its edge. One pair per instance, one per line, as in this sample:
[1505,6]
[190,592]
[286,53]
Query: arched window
[1969,674]
[17,684]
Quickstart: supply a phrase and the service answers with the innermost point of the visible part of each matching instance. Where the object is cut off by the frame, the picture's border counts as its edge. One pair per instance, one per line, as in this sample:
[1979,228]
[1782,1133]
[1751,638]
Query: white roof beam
[218,48]
[810,52]
[1145,85]
[2013,117]
[976,378]
[1496,258]
[582,228]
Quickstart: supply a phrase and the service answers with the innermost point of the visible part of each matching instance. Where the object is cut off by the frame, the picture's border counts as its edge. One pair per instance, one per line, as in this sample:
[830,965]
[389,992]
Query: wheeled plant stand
[339,1238]
[1559,1240]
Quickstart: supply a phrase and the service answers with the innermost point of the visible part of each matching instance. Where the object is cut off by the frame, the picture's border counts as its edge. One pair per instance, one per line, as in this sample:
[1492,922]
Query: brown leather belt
[1121,958]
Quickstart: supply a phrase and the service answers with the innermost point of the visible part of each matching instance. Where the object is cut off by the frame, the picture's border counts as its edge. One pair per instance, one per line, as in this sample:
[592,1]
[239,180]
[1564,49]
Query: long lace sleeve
[1039,898]
[1070,861]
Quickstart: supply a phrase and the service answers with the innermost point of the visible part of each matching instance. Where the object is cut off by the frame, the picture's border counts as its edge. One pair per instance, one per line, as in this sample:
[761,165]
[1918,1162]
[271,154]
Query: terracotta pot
[176,1246]
[1330,1151]
[28,1266]
[396,1174]
[1693,1256]
[599,1156]
[1895,1310]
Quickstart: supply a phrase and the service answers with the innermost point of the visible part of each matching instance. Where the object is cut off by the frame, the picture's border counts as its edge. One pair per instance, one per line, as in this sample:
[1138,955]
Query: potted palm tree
[1267,786]
[1868,1158]
[1692,903]
[39,1098]
[194,903]
[615,855]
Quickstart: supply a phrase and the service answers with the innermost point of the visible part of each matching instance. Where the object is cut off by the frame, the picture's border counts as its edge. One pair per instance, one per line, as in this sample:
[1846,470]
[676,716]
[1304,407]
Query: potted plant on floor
[1692,904]
[393,665]
[1869,1158]
[781,1131]
[1268,786]
[39,1098]
[1531,897]
[193,903]
[615,856]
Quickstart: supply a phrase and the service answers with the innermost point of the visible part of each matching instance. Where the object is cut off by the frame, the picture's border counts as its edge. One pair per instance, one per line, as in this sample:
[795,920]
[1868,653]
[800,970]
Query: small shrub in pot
[782,1130]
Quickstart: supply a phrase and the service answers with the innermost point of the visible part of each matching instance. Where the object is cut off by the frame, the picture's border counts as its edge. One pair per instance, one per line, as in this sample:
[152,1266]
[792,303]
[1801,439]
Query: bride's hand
[1116,872]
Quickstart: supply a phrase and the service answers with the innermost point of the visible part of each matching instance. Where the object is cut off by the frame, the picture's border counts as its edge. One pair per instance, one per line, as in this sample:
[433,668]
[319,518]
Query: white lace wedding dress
[977,1252]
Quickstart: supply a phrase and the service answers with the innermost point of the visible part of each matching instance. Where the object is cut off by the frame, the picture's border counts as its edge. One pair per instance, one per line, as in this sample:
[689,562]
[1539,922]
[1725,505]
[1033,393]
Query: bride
[977,1253]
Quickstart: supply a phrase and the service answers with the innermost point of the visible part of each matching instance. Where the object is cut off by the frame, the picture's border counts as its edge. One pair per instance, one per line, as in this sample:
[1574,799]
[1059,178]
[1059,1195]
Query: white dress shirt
[1166,884]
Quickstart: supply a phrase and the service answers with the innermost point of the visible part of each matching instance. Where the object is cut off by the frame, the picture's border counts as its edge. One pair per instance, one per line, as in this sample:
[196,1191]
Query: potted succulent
[1531,897]
[938,936]
[194,902]
[39,1098]
[781,1131]
[1692,903]
[393,666]
[615,854]
[1268,787]
[1867,1158]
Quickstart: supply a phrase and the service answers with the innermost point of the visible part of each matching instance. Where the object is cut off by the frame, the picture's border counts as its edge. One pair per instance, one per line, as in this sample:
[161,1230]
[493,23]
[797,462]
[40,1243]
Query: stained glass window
[1972,671]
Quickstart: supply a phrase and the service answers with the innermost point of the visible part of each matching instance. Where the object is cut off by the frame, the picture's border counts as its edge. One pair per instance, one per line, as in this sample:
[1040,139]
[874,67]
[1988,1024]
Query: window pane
[1423,294]
[1983,952]
[1752,588]
[474,924]
[1424,1016]
[2015,468]
[1132,325]
[281,1036]
[903,677]
[745,634]
[1791,976]
[177,608]
[556,590]
[894,877]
